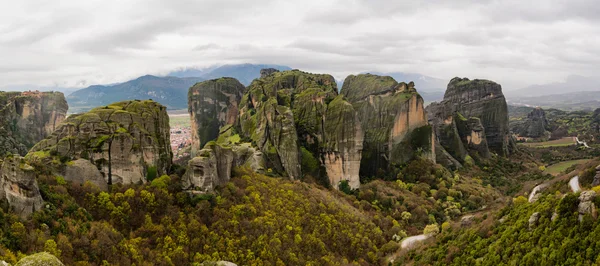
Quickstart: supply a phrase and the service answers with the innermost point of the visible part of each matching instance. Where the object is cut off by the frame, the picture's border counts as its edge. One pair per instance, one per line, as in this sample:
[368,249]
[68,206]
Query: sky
[81,43]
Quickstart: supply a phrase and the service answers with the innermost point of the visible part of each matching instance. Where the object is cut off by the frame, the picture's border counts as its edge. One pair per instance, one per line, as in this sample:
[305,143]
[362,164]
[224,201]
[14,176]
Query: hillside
[169,91]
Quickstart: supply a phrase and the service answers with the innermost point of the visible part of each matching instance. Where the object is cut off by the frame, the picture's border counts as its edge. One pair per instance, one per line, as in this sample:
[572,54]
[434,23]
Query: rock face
[284,111]
[212,104]
[393,120]
[295,124]
[28,117]
[124,140]
[40,259]
[586,204]
[81,170]
[533,219]
[212,165]
[472,120]
[596,180]
[18,186]
[267,71]
[534,126]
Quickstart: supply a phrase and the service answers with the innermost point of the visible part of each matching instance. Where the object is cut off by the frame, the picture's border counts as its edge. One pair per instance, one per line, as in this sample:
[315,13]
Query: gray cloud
[516,43]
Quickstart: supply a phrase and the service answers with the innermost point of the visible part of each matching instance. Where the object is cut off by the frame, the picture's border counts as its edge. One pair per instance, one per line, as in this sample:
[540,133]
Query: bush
[152,173]
[432,229]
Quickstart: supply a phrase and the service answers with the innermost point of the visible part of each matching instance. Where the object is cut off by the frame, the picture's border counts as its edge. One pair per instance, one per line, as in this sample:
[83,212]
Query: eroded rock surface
[81,170]
[534,126]
[28,117]
[212,104]
[586,204]
[472,120]
[19,187]
[393,120]
[125,140]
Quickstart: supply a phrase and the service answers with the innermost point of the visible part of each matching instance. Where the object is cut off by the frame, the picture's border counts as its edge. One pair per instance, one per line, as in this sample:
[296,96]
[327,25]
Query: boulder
[466,220]
[586,204]
[596,180]
[211,168]
[19,187]
[533,219]
[125,140]
[81,170]
[212,104]
[40,259]
[28,117]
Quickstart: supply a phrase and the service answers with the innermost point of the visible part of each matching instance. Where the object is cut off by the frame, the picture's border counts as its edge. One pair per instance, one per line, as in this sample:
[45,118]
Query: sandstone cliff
[28,117]
[124,140]
[295,124]
[212,104]
[535,125]
[18,186]
[471,121]
[393,118]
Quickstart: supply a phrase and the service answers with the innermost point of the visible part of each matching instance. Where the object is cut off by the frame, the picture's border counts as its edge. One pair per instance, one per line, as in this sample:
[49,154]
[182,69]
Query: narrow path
[574,184]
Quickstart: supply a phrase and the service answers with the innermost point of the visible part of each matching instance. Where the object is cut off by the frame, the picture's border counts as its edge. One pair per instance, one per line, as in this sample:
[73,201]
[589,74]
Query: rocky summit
[471,122]
[535,125]
[295,124]
[28,117]
[212,104]
[125,141]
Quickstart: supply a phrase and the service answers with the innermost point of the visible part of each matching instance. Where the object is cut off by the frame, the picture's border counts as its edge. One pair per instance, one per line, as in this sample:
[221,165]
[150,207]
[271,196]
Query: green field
[558,168]
[179,121]
[566,141]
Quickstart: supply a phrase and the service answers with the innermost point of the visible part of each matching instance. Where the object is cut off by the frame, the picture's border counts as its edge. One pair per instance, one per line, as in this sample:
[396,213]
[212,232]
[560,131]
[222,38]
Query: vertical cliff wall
[28,117]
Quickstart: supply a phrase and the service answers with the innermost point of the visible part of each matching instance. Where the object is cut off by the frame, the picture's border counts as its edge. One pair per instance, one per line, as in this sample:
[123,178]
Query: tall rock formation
[18,186]
[393,118]
[295,124]
[284,111]
[471,121]
[534,126]
[124,140]
[212,104]
[28,117]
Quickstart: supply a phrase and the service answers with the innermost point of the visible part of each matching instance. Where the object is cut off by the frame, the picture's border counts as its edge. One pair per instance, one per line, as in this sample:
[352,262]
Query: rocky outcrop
[124,140]
[533,220]
[535,125]
[81,170]
[596,180]
[472,120]
[40,259]
[284,111]
[28,117]
[300,126]
[18,186]
[213,165]
[265,72]
[586,204]
[393,120]
[212,104]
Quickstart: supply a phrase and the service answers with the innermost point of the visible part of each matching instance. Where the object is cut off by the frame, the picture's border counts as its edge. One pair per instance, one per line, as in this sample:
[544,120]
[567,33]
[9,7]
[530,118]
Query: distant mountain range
[244,73]
[170,90]
[574,94]
[573,83]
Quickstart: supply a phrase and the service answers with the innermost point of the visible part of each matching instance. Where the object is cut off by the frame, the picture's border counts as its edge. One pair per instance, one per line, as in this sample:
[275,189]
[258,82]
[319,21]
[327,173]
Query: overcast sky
[80,43]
